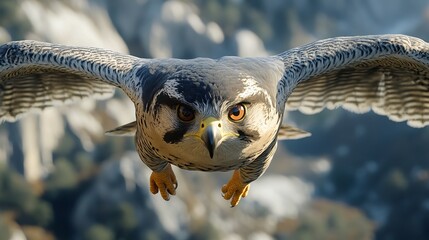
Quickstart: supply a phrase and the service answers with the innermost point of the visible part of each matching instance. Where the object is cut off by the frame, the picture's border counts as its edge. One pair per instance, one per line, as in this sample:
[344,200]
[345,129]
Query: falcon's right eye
[185,113]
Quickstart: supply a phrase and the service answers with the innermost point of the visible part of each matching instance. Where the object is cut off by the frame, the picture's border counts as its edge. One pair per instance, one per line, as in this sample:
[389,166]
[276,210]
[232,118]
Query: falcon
[222,114]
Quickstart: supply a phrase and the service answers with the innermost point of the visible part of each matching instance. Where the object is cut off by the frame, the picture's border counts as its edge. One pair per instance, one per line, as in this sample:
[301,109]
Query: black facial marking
[164,99]
[176,135]
[151,82]
[248,136]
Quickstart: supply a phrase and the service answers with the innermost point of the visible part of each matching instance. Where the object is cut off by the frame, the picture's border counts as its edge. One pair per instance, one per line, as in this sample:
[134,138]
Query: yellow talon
[165,182]
[235,189]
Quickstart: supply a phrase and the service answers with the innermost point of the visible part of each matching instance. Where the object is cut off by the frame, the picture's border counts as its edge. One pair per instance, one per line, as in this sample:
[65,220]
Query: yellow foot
[235,189]
[165,182]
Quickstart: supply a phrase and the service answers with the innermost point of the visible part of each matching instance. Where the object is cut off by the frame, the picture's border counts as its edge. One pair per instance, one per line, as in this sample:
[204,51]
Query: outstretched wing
[35,75]
[388,74]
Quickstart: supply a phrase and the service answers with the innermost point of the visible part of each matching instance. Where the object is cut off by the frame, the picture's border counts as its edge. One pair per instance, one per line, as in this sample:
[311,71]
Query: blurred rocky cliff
[356,178]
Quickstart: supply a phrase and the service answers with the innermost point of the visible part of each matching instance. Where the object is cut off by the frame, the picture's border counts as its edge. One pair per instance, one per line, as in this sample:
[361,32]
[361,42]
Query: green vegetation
[64,177]
[17,196]
[327,220]
[99,232]
[206,230]
[4,229]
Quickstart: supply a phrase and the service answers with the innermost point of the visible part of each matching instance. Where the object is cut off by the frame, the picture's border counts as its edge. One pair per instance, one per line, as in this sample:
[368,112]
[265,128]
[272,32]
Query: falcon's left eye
[237,112]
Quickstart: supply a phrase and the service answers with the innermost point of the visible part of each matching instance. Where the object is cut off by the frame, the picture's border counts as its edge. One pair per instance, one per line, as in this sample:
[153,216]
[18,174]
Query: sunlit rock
[249,44]
[4,35]
[81,24]
[278,196]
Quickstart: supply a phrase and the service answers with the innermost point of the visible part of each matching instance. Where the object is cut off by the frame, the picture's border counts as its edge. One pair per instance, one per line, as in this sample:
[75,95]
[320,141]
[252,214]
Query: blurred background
[357,177]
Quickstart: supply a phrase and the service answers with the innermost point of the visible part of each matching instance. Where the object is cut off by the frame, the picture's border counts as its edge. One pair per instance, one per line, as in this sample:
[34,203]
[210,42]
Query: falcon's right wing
[35,75]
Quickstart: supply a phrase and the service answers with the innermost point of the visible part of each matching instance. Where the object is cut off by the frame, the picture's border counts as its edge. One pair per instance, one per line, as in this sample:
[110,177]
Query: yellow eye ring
[185,113]
[237,112]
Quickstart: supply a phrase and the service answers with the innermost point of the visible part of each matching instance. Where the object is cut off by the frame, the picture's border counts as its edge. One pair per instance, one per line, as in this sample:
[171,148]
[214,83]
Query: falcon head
[208,114]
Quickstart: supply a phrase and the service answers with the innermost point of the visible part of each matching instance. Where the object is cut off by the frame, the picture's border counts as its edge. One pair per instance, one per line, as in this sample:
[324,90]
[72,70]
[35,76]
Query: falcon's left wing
[388,74]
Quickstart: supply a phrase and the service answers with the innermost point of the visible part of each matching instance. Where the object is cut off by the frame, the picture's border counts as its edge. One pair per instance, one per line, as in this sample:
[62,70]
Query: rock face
[177,24]
[72,23]
[160,29]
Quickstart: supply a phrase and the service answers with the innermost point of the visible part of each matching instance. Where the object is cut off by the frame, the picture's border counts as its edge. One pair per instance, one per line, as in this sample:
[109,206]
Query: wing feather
[128,129]
[288,132]
[35,75]
[388,74]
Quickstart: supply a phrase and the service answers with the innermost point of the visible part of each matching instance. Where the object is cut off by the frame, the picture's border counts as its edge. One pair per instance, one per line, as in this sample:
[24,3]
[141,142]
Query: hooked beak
[211,134]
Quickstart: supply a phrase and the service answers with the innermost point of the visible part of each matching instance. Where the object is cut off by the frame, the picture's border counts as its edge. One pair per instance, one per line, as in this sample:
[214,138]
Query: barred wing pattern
[388,74]
[35,75]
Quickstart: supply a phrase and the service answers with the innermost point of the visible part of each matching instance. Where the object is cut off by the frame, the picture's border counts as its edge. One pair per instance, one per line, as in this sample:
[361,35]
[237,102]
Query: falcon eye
[237,112]
[185,113]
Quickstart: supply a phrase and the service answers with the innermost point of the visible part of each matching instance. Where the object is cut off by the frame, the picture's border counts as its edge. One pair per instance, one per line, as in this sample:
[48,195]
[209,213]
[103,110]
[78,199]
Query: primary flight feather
[222,114]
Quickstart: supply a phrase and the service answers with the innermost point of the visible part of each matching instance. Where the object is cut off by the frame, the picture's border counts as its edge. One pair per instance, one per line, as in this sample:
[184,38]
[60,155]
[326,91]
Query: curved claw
[164,182]
[235,189]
